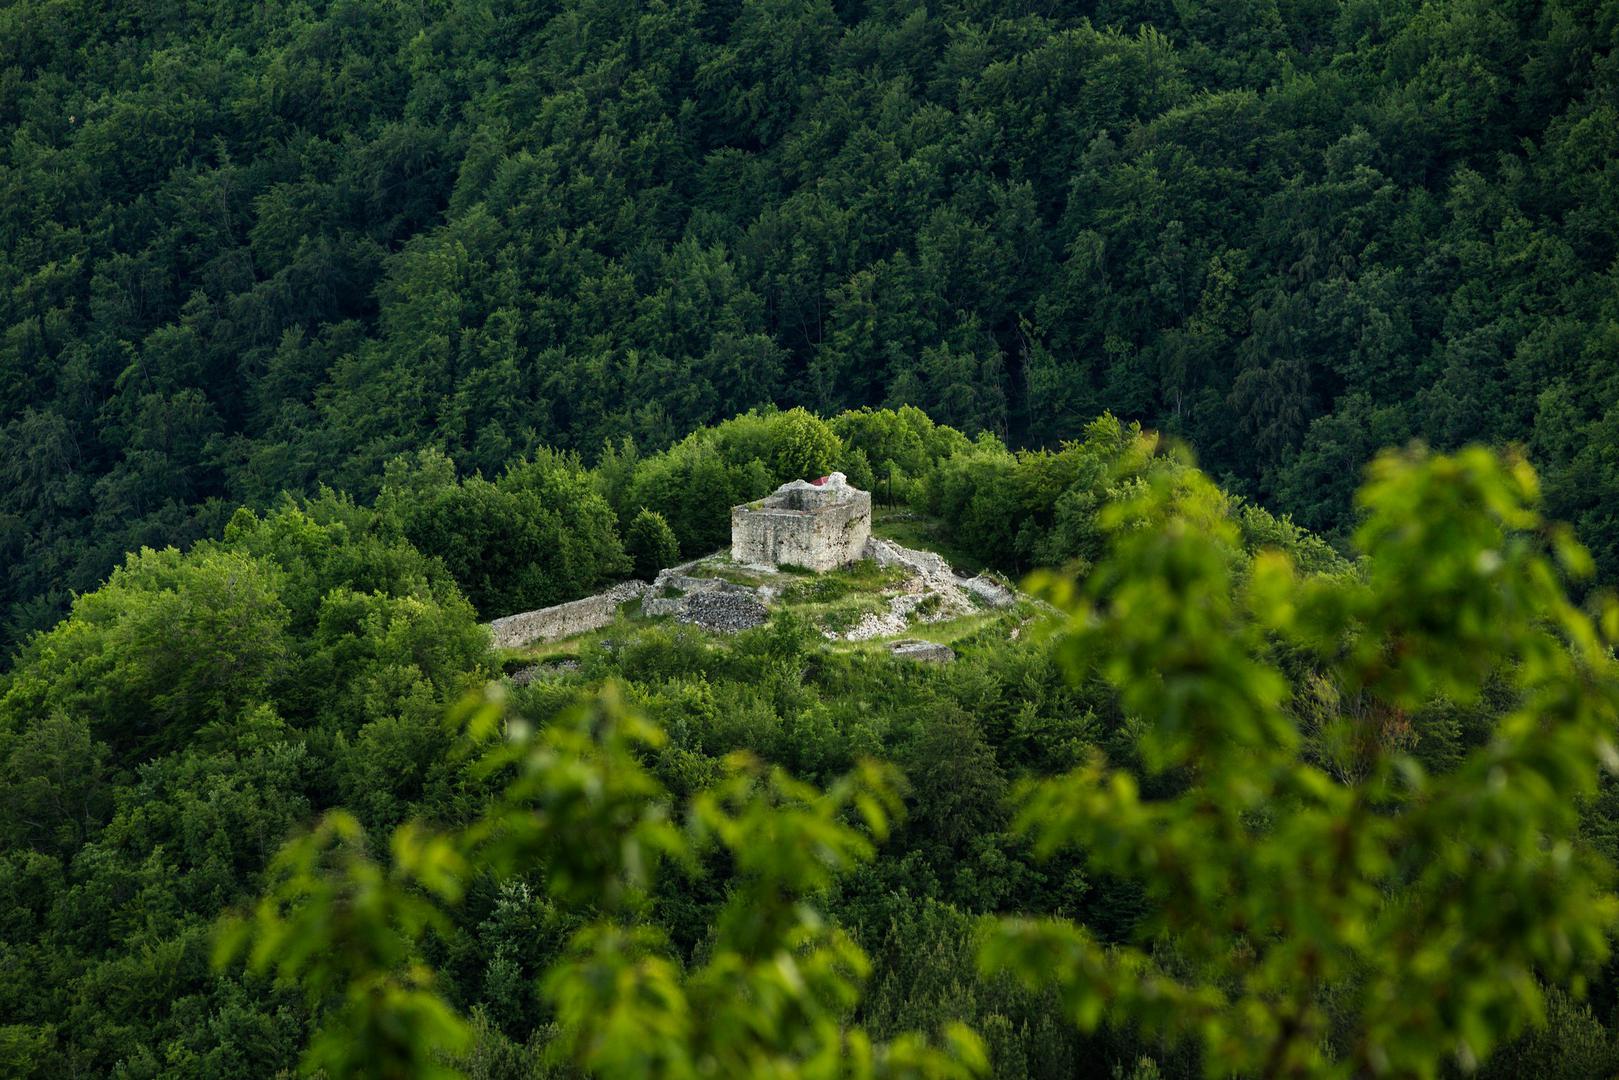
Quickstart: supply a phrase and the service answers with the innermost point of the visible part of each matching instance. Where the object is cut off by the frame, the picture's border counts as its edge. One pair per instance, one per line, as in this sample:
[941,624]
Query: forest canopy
[332,330]
[260,806]
[253,248]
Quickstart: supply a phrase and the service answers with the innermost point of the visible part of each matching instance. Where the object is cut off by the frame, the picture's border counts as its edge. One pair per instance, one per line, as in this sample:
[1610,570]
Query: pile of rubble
[723,610]
[931,592]
[711,603]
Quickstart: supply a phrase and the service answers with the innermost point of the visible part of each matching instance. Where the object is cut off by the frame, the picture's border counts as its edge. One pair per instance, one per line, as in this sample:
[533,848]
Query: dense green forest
[248,248]
[330,331]
[163,743]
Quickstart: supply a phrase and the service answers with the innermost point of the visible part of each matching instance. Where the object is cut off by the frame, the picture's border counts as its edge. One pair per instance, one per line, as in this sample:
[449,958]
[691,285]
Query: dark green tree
[650,544]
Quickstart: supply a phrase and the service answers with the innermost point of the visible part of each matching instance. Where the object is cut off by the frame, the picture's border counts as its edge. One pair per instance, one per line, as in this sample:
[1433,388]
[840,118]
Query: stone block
[819,526]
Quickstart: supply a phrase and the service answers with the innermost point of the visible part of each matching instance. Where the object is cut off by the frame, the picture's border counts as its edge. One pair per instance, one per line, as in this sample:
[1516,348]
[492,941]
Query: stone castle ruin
[818,525]
[815,525]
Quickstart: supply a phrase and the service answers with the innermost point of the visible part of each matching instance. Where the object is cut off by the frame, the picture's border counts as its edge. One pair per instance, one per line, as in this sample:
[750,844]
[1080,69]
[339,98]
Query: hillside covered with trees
[259,809]
[330,331]
[249,248]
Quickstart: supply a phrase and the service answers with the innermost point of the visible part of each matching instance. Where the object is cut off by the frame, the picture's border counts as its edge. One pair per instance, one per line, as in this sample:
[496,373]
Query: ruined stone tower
[819,525]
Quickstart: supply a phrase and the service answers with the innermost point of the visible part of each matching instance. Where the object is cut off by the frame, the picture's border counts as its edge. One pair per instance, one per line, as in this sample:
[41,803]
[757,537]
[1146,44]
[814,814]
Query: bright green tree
[538,535]
[1324,905]
[579,812]
[171,642]
[805,446]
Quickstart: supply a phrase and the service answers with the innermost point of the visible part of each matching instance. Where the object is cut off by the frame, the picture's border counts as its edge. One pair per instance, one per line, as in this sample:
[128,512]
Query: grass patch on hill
[864,576]
[844,615]
[726,571]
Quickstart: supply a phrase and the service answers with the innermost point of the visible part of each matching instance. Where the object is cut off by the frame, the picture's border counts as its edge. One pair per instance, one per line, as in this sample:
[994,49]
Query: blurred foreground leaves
[1325,906]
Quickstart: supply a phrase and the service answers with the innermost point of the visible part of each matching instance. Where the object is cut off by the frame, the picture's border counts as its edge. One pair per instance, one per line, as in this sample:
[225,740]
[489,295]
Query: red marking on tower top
[818,481]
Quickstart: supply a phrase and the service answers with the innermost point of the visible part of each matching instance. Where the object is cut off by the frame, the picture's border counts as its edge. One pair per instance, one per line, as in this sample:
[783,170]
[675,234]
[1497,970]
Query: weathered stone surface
[722,610]
[934,569]
[673,591]
[654,607]
[991,592]
[673,579]
[817,526]
[564,620]
[887,553]
[929,652]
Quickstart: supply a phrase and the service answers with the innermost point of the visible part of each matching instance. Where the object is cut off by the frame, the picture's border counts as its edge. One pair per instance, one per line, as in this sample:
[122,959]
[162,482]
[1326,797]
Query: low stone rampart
[564,620]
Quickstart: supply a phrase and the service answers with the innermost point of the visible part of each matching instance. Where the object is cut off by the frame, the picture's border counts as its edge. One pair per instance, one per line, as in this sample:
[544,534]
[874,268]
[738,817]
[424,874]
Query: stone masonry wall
[830,533]
[564,620]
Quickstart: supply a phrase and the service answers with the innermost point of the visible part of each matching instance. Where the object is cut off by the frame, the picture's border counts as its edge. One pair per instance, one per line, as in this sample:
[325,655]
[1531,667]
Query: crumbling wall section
[933,568]
[564,620]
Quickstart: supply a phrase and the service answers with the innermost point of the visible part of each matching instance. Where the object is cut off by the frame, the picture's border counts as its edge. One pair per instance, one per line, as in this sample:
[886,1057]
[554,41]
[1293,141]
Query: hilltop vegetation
[160,745]
[248,248]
